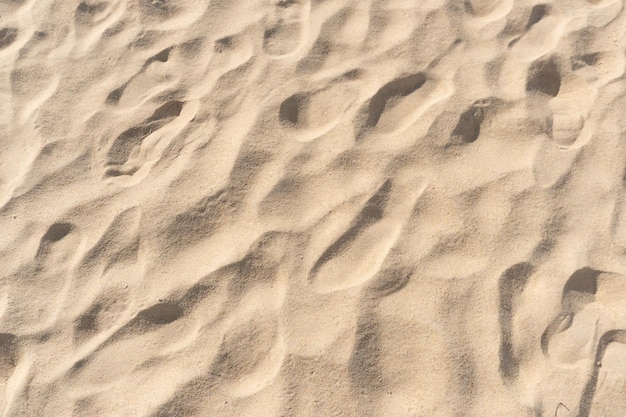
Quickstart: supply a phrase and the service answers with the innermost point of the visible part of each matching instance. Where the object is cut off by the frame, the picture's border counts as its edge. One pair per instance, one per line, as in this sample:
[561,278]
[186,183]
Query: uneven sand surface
[359,208]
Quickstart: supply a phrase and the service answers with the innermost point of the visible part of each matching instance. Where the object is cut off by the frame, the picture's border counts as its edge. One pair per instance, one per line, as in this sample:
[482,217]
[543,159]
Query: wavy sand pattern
[272,208]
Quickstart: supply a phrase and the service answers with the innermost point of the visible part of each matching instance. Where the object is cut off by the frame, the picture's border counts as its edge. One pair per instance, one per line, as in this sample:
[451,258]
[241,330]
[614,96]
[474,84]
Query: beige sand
[271,208]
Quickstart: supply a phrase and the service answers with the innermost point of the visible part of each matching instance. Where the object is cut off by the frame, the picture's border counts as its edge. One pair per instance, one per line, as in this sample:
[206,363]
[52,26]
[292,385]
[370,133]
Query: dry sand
[263,208]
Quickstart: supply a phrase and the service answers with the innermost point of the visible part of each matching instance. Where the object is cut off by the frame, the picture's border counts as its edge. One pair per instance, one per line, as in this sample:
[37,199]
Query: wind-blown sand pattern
[264,208]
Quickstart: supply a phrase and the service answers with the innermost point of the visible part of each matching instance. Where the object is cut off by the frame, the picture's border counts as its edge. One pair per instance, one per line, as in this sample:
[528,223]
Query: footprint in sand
[311,114]
[154,77]
[604,393]
[568,89]
[544,77]
[159,76]
[590,331]
[467,128]
[399,104]
[544,31]
[137,149]
[569,98]
[286,28]
[123,146]
[357,255]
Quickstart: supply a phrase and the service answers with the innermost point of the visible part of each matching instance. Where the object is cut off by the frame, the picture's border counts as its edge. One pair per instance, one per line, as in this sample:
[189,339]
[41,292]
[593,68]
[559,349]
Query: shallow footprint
[358,254]
[467,129]
[570,129]
[589,332]
[589,296]
[570,99]
[400,87]
[604,394]
[567,337]
[311,114]
[544,76]
[133,153]
[287,28]
[401,102]
[132,138]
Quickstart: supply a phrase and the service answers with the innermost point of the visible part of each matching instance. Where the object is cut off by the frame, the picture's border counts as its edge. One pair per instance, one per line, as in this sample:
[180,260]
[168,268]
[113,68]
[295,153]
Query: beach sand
[357,208]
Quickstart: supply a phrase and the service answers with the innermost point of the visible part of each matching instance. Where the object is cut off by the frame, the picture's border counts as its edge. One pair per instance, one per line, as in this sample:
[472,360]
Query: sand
[263,208]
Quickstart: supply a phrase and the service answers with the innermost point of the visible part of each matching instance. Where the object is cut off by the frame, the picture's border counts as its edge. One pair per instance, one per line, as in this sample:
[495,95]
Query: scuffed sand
[359,208]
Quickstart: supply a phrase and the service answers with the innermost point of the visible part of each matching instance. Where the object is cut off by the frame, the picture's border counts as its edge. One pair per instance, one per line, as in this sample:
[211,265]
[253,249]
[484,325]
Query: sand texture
[325,208]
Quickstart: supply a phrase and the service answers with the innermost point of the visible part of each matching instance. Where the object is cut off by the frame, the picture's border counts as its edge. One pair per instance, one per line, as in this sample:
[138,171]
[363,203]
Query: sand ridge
[312,208]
